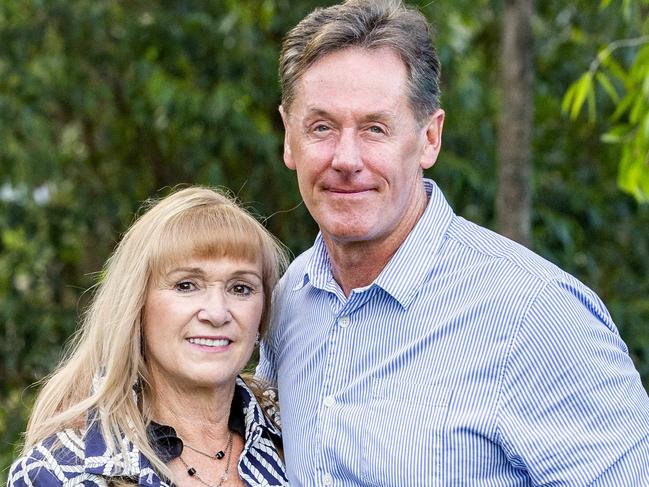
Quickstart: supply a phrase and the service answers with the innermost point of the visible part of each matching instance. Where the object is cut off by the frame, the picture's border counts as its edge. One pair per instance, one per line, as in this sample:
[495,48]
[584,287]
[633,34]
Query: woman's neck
[199,416]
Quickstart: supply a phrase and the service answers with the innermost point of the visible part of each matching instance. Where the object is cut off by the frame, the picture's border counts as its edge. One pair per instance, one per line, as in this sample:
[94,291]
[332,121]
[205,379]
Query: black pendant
[191,471]
[219,454]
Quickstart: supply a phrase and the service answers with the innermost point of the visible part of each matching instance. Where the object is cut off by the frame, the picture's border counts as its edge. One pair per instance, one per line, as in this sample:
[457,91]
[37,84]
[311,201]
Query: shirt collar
[408,267]
[318,269]
[246,418]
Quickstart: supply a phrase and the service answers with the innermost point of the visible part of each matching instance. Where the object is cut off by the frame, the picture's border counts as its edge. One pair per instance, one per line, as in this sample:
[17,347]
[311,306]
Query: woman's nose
[214,308]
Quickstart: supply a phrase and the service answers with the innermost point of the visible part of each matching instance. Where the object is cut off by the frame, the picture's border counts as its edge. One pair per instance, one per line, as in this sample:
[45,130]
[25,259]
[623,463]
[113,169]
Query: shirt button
[329,401]
[343,322]
[327,479]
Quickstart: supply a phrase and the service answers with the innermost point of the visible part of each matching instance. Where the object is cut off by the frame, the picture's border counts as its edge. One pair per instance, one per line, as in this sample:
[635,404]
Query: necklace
[191,471]
[219,454]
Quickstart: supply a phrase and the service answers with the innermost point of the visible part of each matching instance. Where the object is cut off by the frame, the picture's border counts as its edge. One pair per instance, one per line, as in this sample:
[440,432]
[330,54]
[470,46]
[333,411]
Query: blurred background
[105,103]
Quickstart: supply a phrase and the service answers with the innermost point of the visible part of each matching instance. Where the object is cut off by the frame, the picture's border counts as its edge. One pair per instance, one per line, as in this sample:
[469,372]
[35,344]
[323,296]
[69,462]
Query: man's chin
[348,234]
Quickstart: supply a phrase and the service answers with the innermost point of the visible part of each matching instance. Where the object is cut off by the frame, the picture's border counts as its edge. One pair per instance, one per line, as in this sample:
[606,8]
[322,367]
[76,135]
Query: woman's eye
[242,290]
[184,286]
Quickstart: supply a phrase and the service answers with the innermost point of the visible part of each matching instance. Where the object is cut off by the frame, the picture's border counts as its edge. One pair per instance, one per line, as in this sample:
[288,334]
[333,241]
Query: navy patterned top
[69,458]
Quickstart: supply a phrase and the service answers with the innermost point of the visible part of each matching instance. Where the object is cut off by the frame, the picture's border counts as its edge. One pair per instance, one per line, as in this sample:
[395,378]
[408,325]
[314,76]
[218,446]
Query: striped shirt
[71,458]
[468,361]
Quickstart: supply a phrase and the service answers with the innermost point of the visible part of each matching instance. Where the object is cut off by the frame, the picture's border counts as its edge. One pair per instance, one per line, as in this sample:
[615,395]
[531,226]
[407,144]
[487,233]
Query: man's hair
[365,24]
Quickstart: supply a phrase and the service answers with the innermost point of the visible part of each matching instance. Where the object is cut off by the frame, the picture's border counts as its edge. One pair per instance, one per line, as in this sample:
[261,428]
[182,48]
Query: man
[411,347]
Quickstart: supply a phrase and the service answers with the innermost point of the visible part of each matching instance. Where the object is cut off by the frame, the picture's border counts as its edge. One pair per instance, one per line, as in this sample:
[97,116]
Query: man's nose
[215,309]
[347,156]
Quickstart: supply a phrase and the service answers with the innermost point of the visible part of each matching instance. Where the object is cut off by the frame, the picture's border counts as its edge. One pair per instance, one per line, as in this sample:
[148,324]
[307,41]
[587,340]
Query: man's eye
[242,290]
[320,128]
[184,286]
[376,129]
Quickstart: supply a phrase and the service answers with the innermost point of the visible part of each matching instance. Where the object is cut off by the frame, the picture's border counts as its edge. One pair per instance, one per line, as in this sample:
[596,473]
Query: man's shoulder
[299,264]
[495,248]
[519,269]
[295,272]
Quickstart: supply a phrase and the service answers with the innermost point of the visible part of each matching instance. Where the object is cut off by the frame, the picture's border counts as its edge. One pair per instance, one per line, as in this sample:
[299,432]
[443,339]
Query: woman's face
[201,320]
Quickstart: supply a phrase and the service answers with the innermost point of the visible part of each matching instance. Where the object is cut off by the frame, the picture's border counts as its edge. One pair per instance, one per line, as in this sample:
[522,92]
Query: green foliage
[626,83]
[581,220]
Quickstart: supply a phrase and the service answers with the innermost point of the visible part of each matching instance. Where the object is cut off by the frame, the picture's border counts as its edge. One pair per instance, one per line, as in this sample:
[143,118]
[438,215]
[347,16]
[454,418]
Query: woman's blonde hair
[105,355]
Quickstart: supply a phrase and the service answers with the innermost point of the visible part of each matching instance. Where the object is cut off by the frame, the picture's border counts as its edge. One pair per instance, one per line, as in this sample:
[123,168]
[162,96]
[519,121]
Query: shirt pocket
[402,443]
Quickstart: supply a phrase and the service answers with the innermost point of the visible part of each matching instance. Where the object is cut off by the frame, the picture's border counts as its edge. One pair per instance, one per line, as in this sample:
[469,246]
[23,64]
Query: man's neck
[357,264]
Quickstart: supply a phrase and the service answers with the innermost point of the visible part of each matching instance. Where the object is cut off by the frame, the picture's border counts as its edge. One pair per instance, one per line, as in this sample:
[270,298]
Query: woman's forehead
[204,263]
[239,258]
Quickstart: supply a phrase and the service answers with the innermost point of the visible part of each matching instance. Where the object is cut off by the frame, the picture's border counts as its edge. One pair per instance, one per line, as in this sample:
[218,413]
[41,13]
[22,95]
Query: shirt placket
[328,401]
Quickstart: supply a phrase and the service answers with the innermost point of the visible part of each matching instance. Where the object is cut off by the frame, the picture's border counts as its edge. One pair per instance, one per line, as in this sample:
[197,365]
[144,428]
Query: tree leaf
[623,106]
[616,134]
[615,69]
[582,87]
[605,83]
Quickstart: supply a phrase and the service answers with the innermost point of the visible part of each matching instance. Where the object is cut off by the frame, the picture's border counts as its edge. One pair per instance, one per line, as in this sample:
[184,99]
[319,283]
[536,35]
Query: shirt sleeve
[267,365]
[266,370]
[573,410]
[37,469]
[632,469]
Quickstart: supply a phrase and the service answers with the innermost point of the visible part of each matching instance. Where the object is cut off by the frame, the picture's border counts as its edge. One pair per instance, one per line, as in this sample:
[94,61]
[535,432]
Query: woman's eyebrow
[186,270]
[247,272]
[200,272]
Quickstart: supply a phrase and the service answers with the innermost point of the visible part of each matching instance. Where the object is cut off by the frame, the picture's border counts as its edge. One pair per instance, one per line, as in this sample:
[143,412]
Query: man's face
[357,147]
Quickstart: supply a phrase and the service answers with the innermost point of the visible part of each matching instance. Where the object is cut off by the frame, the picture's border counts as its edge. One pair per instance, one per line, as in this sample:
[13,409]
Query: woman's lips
[217,342]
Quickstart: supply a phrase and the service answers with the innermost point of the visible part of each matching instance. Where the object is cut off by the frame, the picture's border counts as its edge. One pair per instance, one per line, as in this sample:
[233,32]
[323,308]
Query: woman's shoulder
[57,460]
[262,460]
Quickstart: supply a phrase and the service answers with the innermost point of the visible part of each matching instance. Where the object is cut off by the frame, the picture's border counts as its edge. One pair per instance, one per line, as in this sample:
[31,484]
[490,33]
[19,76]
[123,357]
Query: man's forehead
[374,79]
[355,56]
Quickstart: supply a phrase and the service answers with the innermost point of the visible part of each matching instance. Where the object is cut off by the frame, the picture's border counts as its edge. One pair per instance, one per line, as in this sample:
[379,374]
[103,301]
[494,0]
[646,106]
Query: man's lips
[344,191]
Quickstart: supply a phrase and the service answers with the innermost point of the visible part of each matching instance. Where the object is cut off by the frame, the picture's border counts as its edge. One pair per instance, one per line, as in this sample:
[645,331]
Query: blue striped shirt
[468,361]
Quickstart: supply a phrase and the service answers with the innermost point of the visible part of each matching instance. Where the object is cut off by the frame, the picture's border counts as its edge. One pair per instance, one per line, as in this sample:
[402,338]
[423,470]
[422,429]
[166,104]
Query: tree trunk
[513,200]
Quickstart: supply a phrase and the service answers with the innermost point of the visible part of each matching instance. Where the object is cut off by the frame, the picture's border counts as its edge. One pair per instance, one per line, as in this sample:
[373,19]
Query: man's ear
[288,158]
[433,143]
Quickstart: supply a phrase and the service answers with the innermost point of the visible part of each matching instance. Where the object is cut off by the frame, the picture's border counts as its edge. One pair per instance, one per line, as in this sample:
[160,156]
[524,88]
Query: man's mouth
[348,190]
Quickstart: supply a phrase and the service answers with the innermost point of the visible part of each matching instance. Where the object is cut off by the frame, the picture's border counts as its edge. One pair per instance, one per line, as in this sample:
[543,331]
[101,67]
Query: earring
[257,340]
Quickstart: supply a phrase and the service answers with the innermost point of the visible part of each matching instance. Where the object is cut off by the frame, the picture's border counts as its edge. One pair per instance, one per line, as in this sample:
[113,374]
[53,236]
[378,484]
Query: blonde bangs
[206,232]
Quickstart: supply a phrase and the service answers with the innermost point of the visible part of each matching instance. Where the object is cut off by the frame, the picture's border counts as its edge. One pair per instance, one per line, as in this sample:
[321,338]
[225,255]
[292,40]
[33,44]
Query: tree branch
[606,52]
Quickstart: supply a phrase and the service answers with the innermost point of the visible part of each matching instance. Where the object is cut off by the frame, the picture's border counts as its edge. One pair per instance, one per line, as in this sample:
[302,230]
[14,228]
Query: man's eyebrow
[370,117]
[378,116]
[318,112]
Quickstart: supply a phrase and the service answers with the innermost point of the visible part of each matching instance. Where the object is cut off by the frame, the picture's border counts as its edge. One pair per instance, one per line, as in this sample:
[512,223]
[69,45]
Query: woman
[150,392]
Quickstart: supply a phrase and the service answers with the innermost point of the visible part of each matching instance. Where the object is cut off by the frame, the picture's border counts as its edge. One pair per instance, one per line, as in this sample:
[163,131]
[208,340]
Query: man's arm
[573,410]
[266,370]
[631,470]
